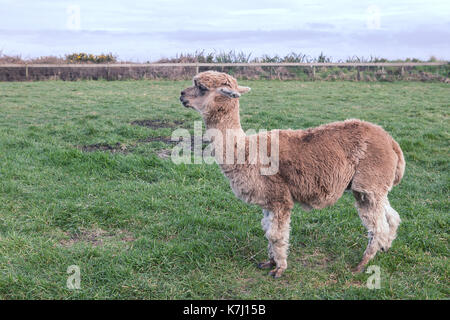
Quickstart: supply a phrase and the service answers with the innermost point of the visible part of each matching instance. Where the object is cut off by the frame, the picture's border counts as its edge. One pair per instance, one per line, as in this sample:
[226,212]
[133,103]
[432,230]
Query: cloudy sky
[148,30]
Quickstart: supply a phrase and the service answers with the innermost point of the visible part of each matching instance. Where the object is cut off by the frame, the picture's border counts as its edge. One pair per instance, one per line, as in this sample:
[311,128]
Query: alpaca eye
[202,89]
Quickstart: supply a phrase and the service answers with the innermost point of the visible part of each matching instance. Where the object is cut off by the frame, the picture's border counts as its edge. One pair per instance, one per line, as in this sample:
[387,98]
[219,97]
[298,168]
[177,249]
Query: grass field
[140,227]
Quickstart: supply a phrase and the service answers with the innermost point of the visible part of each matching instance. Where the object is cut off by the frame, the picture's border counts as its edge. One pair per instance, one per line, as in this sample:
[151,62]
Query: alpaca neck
[225,120]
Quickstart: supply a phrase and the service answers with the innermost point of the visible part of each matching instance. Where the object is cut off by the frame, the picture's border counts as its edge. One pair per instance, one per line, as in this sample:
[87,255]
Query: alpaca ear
[242,90]
[229,93]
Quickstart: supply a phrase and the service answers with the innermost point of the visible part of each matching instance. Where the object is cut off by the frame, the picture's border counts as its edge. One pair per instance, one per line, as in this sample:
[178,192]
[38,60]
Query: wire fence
[177,71]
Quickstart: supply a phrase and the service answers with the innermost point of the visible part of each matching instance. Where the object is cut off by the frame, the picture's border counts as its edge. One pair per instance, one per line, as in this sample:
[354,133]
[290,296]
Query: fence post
[26,71]
[313,73]
[196,68]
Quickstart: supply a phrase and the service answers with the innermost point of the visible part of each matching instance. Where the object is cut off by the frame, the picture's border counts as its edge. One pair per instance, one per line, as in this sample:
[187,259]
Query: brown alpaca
[315,167]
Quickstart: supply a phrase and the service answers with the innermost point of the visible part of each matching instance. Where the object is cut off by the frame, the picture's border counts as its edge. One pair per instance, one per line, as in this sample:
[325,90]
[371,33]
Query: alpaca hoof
[266,264]
[276,273]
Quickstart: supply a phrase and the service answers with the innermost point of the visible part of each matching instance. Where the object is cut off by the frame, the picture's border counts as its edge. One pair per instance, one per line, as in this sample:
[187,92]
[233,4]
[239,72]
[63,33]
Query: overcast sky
[148,30]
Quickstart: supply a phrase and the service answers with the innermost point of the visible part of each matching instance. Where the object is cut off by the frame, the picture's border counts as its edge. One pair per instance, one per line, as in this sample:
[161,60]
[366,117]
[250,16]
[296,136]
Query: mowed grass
[140,227]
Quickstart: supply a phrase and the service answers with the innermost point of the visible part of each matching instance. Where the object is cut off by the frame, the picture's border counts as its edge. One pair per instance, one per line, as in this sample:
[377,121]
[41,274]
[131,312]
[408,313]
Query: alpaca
[315,167]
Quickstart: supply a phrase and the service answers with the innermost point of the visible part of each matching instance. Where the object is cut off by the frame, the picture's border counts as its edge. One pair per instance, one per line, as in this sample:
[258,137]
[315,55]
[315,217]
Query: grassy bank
[82,183]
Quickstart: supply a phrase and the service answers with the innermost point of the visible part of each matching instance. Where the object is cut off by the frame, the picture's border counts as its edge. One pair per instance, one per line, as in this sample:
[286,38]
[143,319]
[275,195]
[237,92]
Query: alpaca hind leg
[278,234]
[265,223]
[372,213]
[393,220]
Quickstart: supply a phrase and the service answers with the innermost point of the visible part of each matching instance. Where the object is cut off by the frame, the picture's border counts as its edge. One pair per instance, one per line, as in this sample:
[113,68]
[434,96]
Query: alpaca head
[212,90]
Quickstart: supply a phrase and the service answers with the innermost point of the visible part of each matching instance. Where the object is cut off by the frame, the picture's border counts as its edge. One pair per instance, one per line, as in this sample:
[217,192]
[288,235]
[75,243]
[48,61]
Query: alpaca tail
[400,170]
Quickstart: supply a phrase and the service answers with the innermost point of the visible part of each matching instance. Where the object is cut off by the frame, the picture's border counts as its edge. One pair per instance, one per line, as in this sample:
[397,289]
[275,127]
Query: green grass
[141,227]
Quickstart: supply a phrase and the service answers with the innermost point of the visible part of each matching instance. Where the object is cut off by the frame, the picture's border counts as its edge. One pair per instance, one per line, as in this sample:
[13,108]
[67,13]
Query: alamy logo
[373,18]
[228,147]
[74,280]
[374,281]
[73,17]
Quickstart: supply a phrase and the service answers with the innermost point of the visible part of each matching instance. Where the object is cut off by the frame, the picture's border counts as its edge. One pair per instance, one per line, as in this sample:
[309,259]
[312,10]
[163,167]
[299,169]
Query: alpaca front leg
[278,235]
[265,223]
[269,263]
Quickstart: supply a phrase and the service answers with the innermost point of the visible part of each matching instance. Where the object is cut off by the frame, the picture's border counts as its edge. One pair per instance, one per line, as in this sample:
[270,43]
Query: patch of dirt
[149,123]
[157,124]
[95,237]
[315,260]
[166,140]
[124,149]
[118,147]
